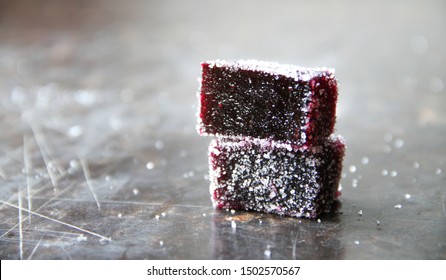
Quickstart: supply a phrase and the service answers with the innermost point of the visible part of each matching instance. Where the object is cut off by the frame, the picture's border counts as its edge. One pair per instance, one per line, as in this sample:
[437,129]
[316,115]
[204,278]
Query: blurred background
[99,157]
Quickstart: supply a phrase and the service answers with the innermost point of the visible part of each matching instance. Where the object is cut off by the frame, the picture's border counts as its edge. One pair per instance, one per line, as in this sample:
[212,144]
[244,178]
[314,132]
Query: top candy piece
[267,100]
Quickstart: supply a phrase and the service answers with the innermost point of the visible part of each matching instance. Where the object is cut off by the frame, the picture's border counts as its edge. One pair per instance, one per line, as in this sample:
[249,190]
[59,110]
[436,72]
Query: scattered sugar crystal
[108,178]
[267,253]
[74,165]
[378,222]
[18,95]
[135,191]
[398,206]
[260,222]
[393,173]
[398,143]
[352,168]
[356,242]
[364,160]
[81,238]
[416,164]
[119,215]
[354,182]
[233,224]
[407,196]
[360,212]
[437,171]
[85,97]
[75,131]
[163,214]
[319,221]
[161,243]
[204,214]
[159,145]
[157,217]
[150,165]
[384,172]
[232,211]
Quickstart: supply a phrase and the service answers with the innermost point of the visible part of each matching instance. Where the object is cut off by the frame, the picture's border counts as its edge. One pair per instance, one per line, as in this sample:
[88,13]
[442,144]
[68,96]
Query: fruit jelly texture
[275,177]
[278,102]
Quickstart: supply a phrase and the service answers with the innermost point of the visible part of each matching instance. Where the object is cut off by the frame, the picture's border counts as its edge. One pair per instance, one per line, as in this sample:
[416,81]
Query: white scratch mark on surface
[19,199]
[59,222]
[41,144]
[294,246]
[35,249]
[43,205]
[44,151]
[2,173]
[28,167]
[87,175]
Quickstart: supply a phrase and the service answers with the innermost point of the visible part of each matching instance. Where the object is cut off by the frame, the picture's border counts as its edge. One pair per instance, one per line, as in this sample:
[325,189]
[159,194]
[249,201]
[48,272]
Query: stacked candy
[273,150]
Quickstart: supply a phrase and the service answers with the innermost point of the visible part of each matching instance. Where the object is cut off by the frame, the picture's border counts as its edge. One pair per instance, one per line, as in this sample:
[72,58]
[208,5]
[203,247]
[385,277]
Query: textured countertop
[99,157]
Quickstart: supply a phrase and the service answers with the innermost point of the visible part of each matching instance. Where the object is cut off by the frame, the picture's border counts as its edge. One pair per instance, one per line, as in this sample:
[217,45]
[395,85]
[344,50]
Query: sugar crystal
[399,143]
[365,160]
[352,168]
[150,165]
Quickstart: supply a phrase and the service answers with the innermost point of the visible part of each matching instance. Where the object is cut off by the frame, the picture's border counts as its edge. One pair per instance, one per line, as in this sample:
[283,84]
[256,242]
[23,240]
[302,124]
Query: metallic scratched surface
[99,158]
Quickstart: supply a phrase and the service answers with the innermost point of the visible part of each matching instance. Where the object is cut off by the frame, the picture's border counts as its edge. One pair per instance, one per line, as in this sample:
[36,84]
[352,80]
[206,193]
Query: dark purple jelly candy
[275,177]
[267,100]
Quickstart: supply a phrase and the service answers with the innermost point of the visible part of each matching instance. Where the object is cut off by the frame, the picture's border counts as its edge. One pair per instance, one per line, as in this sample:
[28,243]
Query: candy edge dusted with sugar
[307,115]
[288,179]
[273,68]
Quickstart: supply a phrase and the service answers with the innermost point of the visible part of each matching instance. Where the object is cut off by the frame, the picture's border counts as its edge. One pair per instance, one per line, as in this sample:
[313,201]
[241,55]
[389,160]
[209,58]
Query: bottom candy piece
[275,177]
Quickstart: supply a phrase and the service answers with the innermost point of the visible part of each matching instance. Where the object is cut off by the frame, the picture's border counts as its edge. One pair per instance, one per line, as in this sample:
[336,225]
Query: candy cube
[275,177]
[267,100]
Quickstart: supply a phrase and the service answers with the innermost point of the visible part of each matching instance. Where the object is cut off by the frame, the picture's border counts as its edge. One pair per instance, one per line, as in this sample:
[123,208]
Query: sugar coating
[296,72]
[267,100]
[275,177]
